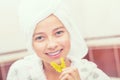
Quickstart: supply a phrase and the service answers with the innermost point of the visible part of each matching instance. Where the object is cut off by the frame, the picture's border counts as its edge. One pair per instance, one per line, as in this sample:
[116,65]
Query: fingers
[66,77]
[70,73]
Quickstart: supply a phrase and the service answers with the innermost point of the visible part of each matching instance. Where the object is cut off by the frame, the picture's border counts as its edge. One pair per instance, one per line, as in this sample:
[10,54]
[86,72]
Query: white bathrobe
[30,68]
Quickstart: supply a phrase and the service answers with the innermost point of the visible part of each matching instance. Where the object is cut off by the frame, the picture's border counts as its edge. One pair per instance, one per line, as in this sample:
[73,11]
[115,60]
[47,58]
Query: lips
[54,53]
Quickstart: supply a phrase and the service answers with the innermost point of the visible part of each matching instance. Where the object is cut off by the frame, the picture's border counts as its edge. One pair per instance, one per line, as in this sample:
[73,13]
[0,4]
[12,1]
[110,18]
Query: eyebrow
[53,30]
[58,28]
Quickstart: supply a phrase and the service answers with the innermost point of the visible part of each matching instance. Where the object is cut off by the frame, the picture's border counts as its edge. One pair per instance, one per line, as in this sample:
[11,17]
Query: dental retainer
[57,67]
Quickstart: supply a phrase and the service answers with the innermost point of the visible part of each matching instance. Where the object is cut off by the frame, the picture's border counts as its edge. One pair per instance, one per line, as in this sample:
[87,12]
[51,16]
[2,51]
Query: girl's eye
[59,33]
[39,38]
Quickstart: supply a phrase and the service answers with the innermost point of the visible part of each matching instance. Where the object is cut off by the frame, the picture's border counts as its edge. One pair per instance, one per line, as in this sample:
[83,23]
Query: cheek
[66,42]
[39,48]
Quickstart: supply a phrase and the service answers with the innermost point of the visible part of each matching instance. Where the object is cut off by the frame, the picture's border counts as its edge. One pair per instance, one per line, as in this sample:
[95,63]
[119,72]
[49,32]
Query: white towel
[33,11]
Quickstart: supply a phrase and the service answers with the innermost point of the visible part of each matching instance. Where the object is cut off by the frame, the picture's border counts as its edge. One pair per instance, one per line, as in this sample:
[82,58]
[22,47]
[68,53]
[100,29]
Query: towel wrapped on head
[32,12]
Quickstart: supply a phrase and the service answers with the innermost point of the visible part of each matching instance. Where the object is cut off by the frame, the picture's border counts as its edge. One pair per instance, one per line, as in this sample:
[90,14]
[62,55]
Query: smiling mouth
[54,53]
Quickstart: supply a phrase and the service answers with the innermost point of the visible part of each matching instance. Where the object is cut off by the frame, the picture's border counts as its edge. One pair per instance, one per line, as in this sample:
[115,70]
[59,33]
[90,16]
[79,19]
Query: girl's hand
[70,73]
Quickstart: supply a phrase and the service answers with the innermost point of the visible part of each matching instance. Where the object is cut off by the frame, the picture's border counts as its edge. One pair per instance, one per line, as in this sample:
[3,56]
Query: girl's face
[51,40]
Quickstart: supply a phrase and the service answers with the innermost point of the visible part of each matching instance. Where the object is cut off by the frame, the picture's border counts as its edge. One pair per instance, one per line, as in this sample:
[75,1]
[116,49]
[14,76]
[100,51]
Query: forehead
[48,23]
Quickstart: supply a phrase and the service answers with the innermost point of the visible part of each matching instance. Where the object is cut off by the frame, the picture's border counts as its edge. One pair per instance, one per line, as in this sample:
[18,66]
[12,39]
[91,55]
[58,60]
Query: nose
[52,44]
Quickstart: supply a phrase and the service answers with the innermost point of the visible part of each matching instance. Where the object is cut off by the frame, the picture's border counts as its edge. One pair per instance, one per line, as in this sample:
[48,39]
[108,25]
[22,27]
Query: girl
[55,44]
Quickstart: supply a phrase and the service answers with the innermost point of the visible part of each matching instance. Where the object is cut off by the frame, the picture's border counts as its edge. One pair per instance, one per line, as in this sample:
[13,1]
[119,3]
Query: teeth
[53,53]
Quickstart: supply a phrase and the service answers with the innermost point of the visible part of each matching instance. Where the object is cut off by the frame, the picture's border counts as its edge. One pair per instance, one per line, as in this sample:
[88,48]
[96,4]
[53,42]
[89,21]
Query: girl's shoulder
[26,69]
[25,62]
[89,70]
[82,62]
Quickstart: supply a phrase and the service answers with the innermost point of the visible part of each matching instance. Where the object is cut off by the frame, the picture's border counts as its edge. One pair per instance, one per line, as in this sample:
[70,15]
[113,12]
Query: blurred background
[99,22]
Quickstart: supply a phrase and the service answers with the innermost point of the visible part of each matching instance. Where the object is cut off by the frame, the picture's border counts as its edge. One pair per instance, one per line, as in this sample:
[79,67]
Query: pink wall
[107,58]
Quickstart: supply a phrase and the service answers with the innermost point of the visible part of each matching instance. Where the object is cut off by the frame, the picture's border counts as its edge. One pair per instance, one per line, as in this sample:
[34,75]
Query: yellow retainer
[57,67]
